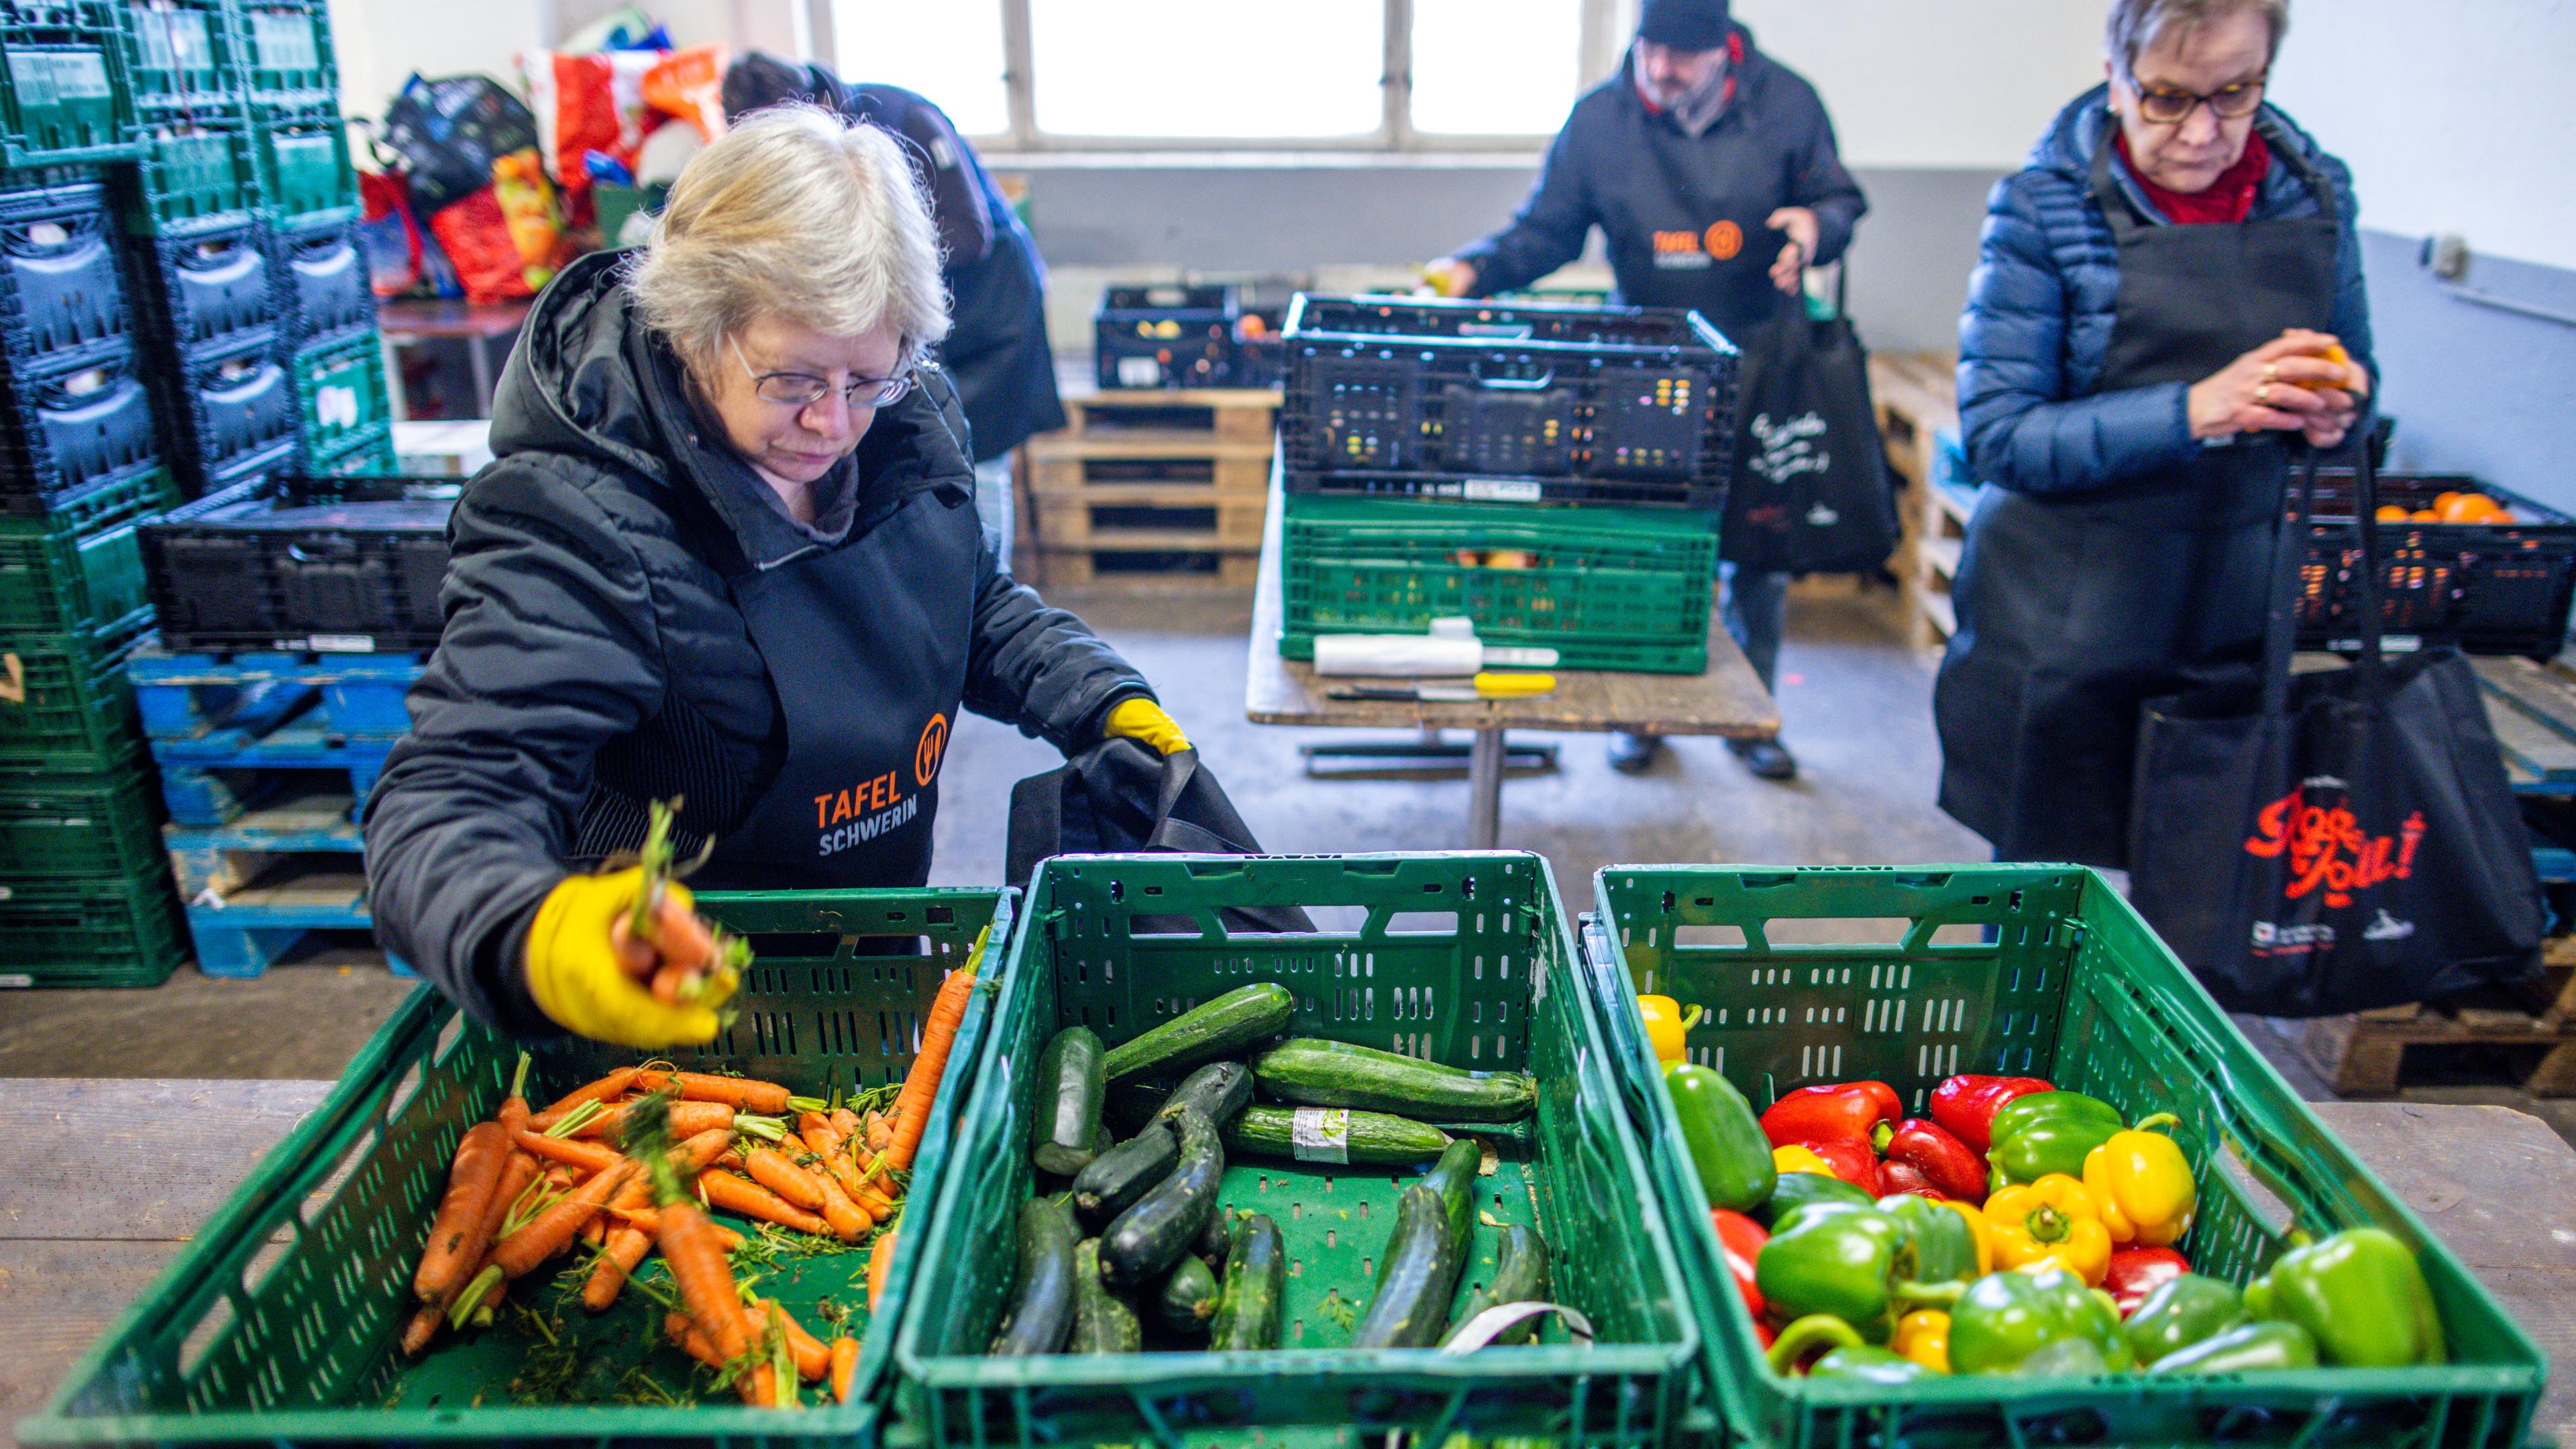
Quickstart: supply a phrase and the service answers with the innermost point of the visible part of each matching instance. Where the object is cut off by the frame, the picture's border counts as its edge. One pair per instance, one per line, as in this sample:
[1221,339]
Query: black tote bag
[2339,840]
[1810,492]
[1121,797]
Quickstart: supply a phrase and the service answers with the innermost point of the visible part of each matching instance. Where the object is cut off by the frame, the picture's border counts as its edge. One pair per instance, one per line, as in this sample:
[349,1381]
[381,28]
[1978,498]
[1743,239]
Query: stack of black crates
[184,308]
[1555,473]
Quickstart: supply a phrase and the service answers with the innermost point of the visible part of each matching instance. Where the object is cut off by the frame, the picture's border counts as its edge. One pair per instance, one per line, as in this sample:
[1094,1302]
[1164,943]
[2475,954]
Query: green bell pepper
[2005,1318]
[2049,1132]
[1845,1261]
[1795,1190]
[1845,1356]
[1945,1247]
[2247,1346]
[1725,1139]
[2064,1357]
[2181,1312]
[2360,1294]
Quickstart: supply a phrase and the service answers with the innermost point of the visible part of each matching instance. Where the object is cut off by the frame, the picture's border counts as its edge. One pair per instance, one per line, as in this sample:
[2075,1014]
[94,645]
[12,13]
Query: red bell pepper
[1906,1177]
[1846,1110]
[1853,1161]
[1741,1239]
[1967,1106]
[1944,1160]
[2137,1272]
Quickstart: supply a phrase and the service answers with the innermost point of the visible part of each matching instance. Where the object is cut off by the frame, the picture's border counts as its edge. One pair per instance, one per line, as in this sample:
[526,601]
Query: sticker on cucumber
[1321,1134]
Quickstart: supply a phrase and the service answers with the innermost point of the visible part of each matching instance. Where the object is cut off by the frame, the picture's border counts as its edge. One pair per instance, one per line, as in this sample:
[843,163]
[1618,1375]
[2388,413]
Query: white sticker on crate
[1321,1134]
[1140,372]
[15,979]
[336,407]
[1501,490]
[341,643]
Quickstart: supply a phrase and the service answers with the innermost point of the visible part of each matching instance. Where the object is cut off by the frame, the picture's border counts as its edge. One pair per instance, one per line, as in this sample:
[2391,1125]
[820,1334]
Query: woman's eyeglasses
[2166,107]
[804,389]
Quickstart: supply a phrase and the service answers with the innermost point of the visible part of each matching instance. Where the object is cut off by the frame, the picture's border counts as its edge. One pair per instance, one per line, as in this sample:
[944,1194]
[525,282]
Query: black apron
[2074,610]
[866,644]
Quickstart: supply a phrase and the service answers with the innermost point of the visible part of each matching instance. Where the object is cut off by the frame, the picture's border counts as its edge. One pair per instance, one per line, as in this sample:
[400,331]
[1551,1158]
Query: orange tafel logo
[1725,239]
[925,755]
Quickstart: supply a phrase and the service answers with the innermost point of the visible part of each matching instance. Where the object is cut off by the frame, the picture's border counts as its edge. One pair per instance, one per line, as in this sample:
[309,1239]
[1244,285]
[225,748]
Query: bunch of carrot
[631,1163]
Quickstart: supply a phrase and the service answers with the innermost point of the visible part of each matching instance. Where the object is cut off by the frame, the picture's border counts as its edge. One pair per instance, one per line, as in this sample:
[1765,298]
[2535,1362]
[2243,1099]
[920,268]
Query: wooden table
[102,1180]
[1727,700]
[422,319]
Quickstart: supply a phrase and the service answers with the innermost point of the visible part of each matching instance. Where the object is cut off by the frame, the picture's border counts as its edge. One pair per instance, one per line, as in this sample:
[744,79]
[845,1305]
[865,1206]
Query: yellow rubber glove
[1144,720]
[575,976]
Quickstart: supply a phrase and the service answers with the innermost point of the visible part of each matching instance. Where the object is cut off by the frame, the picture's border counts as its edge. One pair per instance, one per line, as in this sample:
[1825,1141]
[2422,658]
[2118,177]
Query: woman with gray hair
[727,554]
[2169,297]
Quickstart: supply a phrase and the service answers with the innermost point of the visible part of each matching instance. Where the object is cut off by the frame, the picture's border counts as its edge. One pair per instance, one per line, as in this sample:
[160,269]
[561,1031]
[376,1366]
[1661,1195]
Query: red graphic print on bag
[2328,848]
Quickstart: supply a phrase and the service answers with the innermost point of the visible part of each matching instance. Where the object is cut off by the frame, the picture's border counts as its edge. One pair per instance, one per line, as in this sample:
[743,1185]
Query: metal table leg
[1485,789]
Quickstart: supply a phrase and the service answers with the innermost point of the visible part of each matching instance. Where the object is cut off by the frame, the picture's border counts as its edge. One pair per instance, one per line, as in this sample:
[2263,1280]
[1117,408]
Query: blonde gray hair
[2134,26]
[793,213]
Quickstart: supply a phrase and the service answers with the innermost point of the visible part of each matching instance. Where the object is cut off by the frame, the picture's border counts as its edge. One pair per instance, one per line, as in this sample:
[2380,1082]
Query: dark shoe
[1634,754]
[1767,759]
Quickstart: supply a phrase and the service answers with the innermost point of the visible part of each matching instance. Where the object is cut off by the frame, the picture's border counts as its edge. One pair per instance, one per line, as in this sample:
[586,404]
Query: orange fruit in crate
[2425,515]
[2442,501]
[2392,513]
[2466,508]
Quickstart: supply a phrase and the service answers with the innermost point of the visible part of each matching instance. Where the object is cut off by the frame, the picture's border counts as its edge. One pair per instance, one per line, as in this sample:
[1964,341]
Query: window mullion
[1018,75]
[1396,130]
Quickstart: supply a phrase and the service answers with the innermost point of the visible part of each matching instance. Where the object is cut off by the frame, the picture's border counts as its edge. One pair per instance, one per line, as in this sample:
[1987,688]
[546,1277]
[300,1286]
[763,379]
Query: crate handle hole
[1422,923]
[1724,937]
[208,1332]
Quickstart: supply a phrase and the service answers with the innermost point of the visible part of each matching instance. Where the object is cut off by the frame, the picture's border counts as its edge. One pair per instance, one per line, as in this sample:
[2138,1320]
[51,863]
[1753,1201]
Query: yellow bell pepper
[1666,1025]
[1924,1336]
[1794,1158]
[2052,1220]
[2142,1184]
[1978,1229]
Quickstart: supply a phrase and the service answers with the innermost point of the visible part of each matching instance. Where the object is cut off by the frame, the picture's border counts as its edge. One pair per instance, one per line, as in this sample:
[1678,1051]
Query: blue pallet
[242,697]
[215,781]
[260,884]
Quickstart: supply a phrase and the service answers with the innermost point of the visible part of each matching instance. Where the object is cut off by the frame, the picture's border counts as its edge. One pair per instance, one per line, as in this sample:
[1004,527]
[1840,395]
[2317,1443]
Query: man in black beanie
[1712,172]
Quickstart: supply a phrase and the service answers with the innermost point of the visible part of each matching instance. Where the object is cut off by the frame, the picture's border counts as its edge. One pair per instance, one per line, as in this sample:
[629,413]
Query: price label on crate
[1501,490]
[336,407]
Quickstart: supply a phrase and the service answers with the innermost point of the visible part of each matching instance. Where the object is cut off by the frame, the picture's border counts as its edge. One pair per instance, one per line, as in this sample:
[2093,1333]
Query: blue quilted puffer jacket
[2038,324]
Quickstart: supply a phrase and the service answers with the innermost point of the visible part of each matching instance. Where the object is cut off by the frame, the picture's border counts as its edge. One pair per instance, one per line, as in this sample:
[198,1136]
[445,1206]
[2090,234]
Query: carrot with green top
[472,1178]
[938,1035]
[514,1107]
[549,1232]
[605,1089]
[749,1199]
[880,1266]
[813,1358]
[688,1241]
[688,1119]
[626,1243]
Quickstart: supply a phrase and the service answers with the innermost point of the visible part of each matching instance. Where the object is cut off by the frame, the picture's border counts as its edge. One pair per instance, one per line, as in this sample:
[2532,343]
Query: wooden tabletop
[1727,700]
[102,1180]
[409,317]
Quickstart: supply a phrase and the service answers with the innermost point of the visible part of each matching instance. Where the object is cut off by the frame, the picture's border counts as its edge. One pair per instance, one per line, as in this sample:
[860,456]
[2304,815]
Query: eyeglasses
[804,389]
[2166,107]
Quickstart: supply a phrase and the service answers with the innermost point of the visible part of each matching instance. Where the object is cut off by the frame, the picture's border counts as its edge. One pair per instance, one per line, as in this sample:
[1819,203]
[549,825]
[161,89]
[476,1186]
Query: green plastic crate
[180,57]
[78,710]
[118,930]
[72,824]
[1123,942]
[369,453]
[2074,988]
[285,46]
[59,576]
[193,176]
[1608,588]
[237,1344]
[62,84]
[340,390]
[304,174]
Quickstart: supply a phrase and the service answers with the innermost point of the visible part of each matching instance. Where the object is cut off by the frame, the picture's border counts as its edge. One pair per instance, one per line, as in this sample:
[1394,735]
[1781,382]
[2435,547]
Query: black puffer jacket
[593,658]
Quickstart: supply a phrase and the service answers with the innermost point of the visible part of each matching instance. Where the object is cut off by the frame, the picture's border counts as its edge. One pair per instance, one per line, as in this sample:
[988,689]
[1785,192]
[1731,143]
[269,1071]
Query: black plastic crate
[1509,403]
[1260,351]
[208,287]
[285,50]
[1164,336]
[2488,588]
[229,406]
[320,277]
[71,422]
[276,564]
[62,84]
[369,453]
[59,288]
[180,58]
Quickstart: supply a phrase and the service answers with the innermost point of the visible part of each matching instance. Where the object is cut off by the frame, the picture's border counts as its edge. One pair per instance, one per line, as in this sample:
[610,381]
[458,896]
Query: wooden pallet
[1161,489]
[1165,571]
[1916,394]
[2362,1055]
[2532,707]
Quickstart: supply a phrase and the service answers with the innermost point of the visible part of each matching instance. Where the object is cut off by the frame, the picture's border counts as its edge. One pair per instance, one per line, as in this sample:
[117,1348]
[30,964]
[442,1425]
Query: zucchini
[1256,1278]
[1520,1276]
[1215,1028]
[1102,1321]
[1188,1299]
[1068,1111]
[1116,1178]
[1150,1237]
[1219,1089]
[1352,1137]
[1216,1240]
[1324,1073]
[1042,1308]
[1453,1177]
[1415,1278]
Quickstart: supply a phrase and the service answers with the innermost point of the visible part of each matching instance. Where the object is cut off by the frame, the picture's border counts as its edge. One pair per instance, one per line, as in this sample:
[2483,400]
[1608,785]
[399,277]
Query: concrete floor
[1854,699]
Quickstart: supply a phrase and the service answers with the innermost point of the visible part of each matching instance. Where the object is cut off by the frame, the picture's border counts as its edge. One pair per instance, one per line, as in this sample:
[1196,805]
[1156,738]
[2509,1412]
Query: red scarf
[2229,198]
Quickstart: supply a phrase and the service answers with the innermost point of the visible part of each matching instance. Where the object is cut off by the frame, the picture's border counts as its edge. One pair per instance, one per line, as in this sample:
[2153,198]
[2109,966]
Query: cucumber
[1068,1110]
[1453,1177]
[1520,1276]
[1216,1240]
[1324,1073]
[1215,1028]
[1188,1299]
[1415,1278]
[1368,1137]
[1219,1089]
[1102,1321]
[1042,1308]
[1150,1237]
[1119,1176]
[1256,1280]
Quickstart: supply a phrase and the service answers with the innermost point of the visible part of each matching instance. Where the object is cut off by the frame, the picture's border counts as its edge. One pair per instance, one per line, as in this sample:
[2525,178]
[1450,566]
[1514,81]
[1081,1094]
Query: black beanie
[761,79]
[1684,24]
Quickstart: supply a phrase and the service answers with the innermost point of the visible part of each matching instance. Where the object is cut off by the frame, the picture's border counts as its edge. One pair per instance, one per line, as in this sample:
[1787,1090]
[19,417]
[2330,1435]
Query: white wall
[1966,83]
[2454,117]
[381,42]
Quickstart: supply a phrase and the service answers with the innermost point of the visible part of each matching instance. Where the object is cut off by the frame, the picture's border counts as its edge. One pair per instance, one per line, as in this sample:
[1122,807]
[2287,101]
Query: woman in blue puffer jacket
[2169,299]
